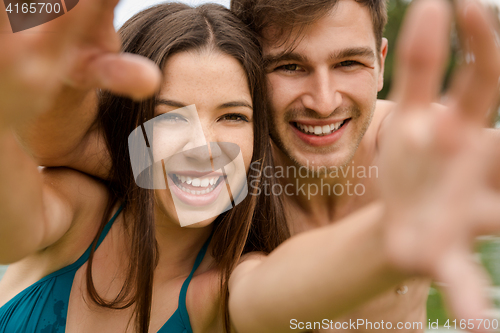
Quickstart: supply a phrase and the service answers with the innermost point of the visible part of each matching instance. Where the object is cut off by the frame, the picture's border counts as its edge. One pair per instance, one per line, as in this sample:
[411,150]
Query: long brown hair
[257,223]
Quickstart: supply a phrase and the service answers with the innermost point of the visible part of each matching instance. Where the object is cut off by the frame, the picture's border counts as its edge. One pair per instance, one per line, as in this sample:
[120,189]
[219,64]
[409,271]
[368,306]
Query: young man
[329,79]
[325,65]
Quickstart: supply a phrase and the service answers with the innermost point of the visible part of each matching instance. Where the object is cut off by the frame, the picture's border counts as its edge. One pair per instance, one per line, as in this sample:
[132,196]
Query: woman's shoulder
[83,199]
[207,305]
[247,263]
[204,296]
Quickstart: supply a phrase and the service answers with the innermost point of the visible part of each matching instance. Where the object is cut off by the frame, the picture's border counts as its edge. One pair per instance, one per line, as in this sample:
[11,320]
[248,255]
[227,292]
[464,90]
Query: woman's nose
[223,153]
[197,150]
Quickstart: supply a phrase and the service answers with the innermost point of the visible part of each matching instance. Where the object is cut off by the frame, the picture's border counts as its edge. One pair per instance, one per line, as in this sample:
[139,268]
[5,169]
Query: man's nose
[322,95]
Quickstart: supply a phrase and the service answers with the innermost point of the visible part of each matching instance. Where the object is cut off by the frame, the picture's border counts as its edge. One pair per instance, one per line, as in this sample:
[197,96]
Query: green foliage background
[396,10]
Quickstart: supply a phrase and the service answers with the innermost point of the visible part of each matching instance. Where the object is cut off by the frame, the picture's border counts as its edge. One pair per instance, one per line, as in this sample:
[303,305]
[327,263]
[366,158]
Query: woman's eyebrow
[235,104]
[232,104]
[169,102]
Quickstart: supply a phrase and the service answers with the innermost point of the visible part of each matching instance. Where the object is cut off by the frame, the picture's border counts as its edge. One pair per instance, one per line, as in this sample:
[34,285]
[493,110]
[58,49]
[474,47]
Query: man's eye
[289,68]
[234,117]
[349,63]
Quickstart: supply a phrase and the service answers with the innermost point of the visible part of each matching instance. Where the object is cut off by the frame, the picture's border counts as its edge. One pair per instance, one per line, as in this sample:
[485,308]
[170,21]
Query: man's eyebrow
[340,54]
[284,56]
[169,102]
[353,52]
[235,104]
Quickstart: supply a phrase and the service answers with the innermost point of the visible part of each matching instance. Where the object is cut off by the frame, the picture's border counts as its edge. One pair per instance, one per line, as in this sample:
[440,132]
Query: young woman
[142,259]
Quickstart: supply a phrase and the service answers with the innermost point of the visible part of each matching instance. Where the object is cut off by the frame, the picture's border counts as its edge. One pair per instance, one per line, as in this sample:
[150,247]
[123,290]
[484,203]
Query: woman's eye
[173,118]
[234,117]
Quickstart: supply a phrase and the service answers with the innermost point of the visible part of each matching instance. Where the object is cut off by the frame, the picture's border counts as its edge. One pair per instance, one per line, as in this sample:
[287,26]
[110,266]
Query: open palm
[79,49]
[439,165]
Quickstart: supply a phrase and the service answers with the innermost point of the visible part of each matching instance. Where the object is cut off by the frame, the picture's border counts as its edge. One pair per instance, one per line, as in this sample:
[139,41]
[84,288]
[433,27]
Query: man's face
[323,91]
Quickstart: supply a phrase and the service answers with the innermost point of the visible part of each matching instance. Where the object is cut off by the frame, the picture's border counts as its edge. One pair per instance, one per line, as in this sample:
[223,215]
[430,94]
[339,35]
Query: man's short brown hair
[281,16]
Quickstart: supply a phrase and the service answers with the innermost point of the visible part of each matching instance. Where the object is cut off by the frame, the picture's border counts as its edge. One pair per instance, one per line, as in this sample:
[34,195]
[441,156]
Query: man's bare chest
[402,308]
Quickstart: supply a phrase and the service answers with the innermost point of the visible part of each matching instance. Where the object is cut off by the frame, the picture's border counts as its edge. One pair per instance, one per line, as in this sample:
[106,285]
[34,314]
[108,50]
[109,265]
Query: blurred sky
[127,8]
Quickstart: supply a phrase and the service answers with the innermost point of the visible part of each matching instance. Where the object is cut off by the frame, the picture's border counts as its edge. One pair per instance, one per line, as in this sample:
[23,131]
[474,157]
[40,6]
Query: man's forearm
[319,274]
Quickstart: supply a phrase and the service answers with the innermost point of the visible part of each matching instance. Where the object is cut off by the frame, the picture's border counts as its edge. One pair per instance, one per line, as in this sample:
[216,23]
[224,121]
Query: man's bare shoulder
[370,139]
[382,109]
[384,105]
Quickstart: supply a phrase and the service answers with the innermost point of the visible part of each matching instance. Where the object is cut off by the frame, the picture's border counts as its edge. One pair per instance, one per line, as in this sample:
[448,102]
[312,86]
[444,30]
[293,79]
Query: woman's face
[202,137]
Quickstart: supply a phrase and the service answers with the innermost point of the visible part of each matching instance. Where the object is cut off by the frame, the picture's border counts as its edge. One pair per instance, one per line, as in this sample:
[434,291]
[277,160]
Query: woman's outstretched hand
[437,164]
[79,49]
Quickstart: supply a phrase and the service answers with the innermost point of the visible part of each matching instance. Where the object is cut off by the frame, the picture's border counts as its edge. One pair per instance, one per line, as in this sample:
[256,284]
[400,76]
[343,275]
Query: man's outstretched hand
[79,49]
[437,165]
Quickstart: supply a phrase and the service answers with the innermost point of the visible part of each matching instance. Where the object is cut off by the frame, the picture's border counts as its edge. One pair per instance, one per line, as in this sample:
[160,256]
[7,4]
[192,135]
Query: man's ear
[383,53]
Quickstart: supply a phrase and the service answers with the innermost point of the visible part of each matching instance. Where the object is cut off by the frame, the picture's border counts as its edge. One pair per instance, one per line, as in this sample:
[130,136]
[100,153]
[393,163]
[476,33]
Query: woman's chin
[201,224]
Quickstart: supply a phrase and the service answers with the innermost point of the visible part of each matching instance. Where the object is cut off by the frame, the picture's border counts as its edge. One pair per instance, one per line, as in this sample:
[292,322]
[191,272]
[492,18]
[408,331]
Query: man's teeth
[319,130]
[206,184]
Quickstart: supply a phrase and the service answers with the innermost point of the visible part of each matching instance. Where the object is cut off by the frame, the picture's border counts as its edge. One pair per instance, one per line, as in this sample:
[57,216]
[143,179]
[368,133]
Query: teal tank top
[43,306]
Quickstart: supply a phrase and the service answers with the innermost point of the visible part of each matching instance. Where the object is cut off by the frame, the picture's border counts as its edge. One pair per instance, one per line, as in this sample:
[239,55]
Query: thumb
[125,74]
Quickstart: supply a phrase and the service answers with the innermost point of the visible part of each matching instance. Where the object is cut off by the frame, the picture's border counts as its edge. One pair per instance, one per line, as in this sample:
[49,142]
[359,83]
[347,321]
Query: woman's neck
[177,246]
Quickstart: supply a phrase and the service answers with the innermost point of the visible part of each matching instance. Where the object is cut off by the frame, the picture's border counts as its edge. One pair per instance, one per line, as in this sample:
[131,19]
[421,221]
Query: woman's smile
[196,190]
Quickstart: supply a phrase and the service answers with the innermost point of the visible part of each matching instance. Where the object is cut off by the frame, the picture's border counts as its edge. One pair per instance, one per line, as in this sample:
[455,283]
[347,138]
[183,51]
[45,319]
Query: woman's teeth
[205,184]
[319,130]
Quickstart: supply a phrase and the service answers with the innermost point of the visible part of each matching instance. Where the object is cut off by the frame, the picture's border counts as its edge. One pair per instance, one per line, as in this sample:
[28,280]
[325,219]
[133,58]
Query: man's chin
[318,163]
[312,158]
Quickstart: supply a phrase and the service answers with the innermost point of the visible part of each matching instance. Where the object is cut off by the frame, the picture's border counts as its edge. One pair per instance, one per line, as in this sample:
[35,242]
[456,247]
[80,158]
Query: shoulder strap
[83,259]
[185,285]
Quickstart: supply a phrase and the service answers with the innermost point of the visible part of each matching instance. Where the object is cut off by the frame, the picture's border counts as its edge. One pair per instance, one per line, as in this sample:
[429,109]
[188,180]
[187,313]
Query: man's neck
[316,192]
[313,200]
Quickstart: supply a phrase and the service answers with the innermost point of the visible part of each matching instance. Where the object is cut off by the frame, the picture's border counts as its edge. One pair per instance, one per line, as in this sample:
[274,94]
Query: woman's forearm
[66,135]
[21,202]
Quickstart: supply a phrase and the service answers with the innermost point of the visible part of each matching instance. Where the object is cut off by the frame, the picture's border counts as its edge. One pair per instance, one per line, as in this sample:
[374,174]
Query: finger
[478,91]
[422,52]
[8,43]
[90,23]
[488,214]
[448,134]
[126,74]
[492,136]
[4,20]
[465,294]
[94,18]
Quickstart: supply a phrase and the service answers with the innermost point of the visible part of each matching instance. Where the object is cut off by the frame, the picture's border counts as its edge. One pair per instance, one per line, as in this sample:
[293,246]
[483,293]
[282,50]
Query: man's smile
[319,135]
[319,130]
